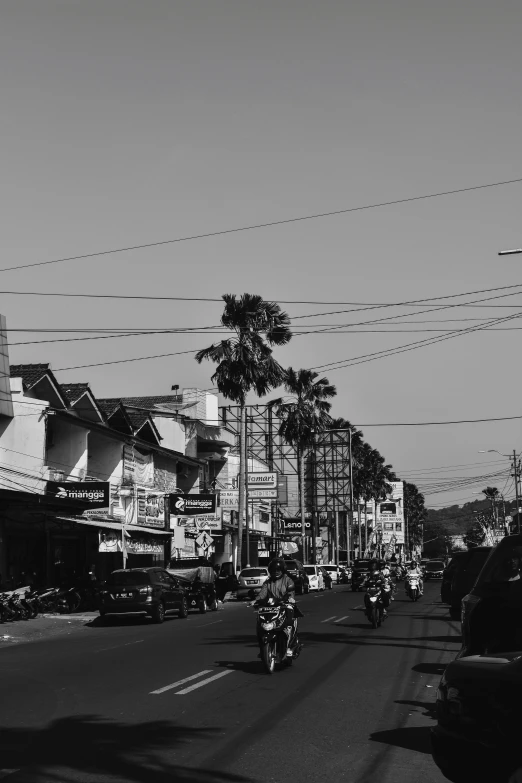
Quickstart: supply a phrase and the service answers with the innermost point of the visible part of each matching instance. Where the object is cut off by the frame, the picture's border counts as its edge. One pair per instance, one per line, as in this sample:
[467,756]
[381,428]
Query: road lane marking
[205,624]
[329,618]
[117,646]
[204,682]
[180,682]
[346,616]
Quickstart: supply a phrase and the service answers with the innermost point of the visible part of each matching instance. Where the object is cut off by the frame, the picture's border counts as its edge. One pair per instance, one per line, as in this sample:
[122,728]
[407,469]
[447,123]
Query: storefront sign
[261,493]
[110,541]
[143,545]
[138,468]
[229,499]
[258,480]
[192,505]
[94,493]
[295,525]
[151,508]
[208,522]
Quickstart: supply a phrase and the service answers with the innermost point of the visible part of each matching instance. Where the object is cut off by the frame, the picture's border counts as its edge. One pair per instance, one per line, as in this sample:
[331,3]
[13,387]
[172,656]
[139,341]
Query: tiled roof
[108,406]
[150,402]
[137,419]
[29,373]
[73,391]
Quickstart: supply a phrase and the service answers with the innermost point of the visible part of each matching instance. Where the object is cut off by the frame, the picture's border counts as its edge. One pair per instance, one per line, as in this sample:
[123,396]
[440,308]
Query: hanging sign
[208,522]
[192,505]
[258,480]
[95,494]
[151,508]
[110,541]
[229,499]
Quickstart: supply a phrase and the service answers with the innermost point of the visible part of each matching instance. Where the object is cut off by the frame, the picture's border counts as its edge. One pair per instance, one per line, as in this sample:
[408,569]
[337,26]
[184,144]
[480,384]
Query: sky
[127,123]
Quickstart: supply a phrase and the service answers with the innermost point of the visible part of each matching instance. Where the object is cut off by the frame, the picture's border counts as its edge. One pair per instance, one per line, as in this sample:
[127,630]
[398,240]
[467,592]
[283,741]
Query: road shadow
[254,666]
[88,747]
[429,706]
[413,738]
[247,640]
[430,668]
[452,639]
[122,621]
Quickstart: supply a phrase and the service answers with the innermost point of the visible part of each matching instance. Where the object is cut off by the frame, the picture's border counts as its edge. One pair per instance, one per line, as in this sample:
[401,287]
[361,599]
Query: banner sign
[96,494]
[151,508]
[143,545]
[390,514]
[258,480]
[192,505]
[262,493]
[110,541]
[138,468]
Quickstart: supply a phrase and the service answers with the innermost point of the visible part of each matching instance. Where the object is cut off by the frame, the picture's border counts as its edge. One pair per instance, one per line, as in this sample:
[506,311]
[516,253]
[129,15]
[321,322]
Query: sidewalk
[45,626]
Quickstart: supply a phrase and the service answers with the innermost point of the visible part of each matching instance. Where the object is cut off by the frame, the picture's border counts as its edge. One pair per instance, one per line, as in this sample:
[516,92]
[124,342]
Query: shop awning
[102,523]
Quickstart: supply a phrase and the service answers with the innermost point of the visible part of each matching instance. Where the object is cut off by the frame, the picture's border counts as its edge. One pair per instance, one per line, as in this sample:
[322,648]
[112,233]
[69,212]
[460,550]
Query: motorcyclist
[280,588]
[413,571]
[387,575]
[376,579]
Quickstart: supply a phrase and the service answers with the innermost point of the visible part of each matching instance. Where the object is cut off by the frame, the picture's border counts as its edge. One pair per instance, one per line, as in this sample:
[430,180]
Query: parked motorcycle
[374,605]
[272,637]
[413,588]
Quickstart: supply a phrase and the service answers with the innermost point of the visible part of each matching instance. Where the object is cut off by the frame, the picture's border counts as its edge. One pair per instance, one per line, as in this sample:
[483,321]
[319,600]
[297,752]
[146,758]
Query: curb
[69,616]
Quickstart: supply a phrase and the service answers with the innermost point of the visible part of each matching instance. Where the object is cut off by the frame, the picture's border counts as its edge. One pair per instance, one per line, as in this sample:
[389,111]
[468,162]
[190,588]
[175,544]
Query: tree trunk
[302,498]
[242,485]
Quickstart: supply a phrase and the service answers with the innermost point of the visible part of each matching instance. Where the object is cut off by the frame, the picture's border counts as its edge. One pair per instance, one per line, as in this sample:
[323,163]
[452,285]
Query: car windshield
[253,572]
[309,569]
[291,565]
[504,565]
[129,578]
[476,561]
[330,568]
[437,565]
[361,564]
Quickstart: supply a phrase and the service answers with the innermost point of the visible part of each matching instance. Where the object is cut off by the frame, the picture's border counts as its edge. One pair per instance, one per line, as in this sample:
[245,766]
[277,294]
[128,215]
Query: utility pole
[349,517]
[516,475]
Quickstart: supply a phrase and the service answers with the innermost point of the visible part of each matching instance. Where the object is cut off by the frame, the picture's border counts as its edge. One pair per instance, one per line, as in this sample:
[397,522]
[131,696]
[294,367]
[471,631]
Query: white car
[334,571]
[315,577]
[250,582]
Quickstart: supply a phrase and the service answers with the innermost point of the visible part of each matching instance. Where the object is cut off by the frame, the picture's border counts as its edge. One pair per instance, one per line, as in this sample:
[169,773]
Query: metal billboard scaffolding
[330,470]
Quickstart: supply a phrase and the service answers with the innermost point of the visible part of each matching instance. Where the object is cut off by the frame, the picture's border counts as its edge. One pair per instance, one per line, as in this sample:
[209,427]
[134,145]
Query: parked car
[457,559]
[148,591]
[477,736]
[434,569]
[462,575]
[295,569]
[250,582]
[335,571]
[199,584]
[315,577]
[492,610]
[360,571]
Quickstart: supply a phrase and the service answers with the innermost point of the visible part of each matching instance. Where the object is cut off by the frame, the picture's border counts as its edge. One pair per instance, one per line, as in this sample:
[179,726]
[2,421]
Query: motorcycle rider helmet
[277,567]
[373,565]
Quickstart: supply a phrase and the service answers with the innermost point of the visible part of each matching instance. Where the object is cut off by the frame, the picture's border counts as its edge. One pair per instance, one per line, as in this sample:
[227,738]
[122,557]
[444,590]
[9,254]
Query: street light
[514,457]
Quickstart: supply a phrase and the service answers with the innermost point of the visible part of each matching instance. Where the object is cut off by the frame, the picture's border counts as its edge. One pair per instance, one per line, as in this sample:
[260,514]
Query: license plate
[124,595]
[251,581]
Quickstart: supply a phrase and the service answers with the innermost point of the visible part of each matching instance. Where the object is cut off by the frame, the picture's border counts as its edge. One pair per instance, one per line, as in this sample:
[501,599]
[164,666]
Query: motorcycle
[274,646]
[374,605]
[12,608]
[413,588]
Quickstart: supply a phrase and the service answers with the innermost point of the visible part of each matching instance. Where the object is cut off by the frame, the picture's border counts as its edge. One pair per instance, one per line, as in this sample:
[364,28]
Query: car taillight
[146,590]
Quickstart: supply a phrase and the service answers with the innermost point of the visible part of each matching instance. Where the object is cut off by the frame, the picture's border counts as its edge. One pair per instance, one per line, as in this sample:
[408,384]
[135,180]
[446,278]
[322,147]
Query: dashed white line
[204,682]
[205,624]
[329,618]
[117,646]
[181,682]
[342,618]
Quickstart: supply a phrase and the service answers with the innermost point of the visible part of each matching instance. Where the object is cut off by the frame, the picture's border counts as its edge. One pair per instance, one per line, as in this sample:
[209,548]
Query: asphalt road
[356,706]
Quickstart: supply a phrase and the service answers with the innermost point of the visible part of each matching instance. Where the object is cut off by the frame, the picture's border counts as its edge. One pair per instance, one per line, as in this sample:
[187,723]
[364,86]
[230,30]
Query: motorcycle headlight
[268,626]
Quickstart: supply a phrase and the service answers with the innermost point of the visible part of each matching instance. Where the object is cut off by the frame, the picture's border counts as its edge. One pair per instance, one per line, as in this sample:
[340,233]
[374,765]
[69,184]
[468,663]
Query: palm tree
[492,494]
[245,363]
[302,414]
[415,513]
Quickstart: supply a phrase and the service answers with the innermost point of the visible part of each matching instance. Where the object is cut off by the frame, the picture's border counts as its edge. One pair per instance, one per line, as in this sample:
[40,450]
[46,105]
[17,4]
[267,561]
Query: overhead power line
[257,226]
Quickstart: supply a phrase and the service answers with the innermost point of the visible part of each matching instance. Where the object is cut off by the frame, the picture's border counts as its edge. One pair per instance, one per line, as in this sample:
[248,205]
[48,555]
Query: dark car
[149,591]
[295,569]
[360,570]
[492,611]
[477,736]
[434,569]
[457,560]
[460,576]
